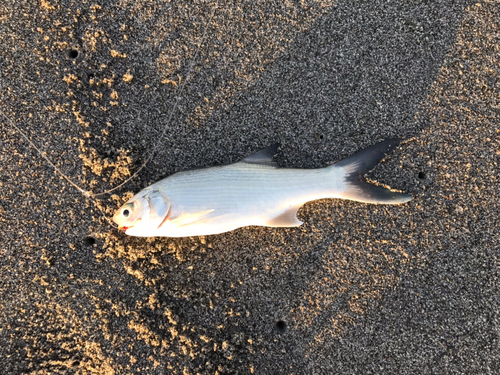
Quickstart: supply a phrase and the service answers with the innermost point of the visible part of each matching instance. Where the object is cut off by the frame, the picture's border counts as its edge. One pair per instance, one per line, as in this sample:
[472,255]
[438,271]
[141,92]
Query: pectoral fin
[186,219]
[286,219]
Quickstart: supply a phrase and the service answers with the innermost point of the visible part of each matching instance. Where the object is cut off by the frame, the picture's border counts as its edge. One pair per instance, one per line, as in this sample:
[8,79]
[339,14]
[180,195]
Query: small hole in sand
[73,54]
[89,241]
[422,175]
[281,325]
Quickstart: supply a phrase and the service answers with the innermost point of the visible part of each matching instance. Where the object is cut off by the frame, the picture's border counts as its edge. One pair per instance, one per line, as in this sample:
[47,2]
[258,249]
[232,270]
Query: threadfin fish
[253,191]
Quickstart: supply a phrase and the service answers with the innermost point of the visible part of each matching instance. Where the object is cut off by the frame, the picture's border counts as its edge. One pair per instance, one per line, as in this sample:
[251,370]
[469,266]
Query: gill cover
[159,207]
[146,210]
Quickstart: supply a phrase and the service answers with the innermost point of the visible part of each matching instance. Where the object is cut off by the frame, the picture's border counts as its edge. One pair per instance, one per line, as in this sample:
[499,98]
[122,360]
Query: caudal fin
[357,165]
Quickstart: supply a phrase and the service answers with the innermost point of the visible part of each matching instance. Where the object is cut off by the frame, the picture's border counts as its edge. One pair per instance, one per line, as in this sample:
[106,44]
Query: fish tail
[357,165]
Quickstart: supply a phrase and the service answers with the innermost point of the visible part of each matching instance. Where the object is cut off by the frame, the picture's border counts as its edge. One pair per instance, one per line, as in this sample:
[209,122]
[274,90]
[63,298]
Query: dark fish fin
[357,165]
[286,219]
[365,160]
[263,157]
[361,191]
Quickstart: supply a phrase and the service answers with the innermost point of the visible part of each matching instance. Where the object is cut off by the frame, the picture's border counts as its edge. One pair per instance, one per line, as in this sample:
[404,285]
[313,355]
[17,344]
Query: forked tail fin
[357,165]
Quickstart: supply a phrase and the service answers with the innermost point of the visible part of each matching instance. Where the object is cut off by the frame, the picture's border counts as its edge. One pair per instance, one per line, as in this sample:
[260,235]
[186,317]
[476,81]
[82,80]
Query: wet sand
[357,289]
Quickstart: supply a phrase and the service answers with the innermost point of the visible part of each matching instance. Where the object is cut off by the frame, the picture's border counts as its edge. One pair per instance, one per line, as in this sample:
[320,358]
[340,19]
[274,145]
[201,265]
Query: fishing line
[178,97]
[85,193]
[88,194]
[42,153]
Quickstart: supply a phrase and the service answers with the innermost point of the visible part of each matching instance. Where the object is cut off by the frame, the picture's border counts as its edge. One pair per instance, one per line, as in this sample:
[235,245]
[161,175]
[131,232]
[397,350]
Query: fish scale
[226,189]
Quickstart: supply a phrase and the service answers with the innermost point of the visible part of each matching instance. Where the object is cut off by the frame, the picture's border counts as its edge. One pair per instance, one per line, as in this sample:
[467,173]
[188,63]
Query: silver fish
[253,191]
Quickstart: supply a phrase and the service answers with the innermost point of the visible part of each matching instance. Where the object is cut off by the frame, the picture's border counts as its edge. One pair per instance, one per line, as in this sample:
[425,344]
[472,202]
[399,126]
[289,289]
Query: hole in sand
[89,241]
[281,325]
[73,54]
[421,175]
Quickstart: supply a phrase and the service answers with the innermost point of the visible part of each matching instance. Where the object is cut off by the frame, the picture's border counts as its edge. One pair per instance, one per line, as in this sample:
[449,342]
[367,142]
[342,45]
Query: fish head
[144,212]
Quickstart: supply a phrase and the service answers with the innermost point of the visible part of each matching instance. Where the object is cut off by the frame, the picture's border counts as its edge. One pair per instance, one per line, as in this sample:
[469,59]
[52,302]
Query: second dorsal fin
[263,157]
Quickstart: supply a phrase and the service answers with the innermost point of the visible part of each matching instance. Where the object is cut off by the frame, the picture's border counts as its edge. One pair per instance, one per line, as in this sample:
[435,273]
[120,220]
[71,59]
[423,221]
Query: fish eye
[127,211]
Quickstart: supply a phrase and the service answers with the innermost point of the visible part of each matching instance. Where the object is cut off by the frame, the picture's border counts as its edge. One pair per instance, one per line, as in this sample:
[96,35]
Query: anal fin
[286,219]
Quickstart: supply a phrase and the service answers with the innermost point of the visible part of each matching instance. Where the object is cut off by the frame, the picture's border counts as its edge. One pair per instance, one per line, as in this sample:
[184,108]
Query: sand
[103,88]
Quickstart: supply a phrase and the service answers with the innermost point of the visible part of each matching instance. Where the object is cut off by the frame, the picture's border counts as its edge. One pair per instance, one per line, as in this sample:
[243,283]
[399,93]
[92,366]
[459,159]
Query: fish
[251,192]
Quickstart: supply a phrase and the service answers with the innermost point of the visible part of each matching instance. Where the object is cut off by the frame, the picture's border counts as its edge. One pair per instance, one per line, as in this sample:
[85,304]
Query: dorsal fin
[286,219]
[263,157]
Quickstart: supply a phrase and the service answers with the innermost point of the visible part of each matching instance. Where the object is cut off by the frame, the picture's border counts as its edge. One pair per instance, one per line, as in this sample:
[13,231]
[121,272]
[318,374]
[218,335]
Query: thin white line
[162,135]
[84,192]
[88,194]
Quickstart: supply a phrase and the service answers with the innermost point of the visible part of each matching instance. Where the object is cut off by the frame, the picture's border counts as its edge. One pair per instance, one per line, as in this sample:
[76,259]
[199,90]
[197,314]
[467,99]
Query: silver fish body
[253,191]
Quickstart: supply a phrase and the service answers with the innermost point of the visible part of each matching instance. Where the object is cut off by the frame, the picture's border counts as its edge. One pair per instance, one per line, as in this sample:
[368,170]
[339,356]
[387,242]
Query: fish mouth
[124,228]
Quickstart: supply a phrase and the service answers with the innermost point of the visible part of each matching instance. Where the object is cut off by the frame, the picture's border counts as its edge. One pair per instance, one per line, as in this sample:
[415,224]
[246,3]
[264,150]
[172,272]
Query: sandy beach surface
[102,87]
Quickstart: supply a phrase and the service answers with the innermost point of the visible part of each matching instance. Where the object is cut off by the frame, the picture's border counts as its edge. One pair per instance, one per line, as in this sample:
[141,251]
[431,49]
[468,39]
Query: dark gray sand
[358,289]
